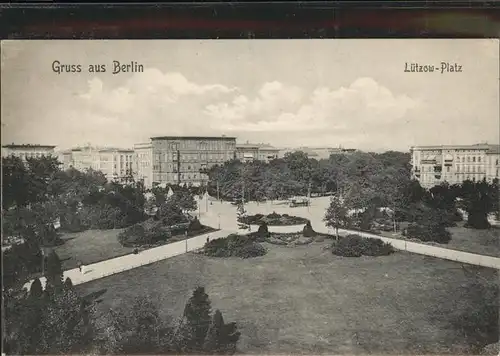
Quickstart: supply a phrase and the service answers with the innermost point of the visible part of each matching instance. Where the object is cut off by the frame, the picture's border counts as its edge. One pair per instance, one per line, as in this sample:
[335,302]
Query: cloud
[363,104]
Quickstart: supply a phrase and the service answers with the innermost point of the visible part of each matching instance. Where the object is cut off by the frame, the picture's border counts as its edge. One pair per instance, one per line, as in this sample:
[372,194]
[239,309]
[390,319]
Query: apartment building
[114,163]
[181,159]
[24,151]
[143,157]
[432,165]
[249,152]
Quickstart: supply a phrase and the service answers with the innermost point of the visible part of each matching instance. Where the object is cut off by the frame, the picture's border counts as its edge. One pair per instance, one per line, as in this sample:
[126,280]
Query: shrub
[234,245]
[273,215]
[263,231]
[308,230]
[195,225]
[250,250]
[357,246]
[430,232]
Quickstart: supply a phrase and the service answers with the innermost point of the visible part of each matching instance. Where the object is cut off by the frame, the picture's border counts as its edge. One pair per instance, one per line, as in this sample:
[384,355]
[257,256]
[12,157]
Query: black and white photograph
[265,197]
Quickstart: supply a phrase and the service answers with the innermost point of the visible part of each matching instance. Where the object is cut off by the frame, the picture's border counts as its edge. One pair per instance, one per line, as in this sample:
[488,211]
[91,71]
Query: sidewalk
[124,263]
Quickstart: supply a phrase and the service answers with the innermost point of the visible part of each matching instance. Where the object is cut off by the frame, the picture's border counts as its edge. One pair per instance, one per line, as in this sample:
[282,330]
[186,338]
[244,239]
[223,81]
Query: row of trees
[428,212]
[296,174]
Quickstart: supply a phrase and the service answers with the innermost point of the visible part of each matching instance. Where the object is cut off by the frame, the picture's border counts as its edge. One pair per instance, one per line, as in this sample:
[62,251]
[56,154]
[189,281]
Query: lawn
[305,300]
[89,247]
[93,246]
[483,242]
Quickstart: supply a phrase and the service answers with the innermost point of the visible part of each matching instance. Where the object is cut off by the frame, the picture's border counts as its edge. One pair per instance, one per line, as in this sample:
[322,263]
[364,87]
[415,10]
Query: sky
[288,93]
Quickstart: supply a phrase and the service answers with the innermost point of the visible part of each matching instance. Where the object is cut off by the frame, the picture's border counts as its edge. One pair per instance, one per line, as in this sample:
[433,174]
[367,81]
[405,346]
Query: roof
[479,146]
[494,149]
[12,145]
[102,149]
[226,138]
[260,146]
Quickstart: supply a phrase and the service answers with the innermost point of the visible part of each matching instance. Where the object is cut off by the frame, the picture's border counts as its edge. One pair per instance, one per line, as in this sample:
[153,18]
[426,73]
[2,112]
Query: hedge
[357,246]
[234,246]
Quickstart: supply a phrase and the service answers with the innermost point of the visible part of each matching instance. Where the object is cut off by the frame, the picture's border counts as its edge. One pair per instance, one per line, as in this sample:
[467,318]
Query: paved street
[223,216]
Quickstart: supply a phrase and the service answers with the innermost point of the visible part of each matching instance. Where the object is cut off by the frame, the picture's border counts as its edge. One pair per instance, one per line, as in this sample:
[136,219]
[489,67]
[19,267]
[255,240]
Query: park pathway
[223,216]
[124,263]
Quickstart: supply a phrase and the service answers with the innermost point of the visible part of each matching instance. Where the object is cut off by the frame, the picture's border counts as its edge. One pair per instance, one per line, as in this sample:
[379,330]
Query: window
[463,159]
[458,168]
[473,169]
[473,159]
[479,159]
[447,169]
[468,158]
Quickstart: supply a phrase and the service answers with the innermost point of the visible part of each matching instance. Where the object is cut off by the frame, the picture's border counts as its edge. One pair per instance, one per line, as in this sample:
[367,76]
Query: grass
[305,300]
[94,246]
[483,242]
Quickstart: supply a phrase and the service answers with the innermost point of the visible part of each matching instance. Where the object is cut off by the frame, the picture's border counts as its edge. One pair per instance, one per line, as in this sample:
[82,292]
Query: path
[124,263]
[223,215]
[315,214]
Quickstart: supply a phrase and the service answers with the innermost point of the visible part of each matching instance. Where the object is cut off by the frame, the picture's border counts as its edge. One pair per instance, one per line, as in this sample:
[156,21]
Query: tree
[221,338]
[184,199]
[479,199]
[68,284]
[36,289]
[241,215]
[53,271]
[336,215]
[197,317]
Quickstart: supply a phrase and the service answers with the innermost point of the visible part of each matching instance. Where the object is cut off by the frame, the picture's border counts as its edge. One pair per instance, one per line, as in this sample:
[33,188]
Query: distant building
[318,152]
[114,163]
[143,157]
[248,152]
[24,151]
[181,159]
[432,165]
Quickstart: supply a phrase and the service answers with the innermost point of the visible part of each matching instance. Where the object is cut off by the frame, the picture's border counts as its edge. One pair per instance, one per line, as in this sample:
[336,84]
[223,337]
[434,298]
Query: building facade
[432,165]
[28,151]
[114,163]
[248,152]
[181,159]
[143,157]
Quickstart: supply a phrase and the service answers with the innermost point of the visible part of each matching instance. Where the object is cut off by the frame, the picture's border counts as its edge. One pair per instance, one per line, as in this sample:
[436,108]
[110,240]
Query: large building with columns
[432,165]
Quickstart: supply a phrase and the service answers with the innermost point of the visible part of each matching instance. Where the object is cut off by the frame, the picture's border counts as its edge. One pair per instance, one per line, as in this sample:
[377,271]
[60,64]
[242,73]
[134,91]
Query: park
[150,256]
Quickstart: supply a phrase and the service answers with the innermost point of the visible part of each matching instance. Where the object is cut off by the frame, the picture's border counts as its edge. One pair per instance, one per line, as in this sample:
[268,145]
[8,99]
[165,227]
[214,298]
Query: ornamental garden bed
[234,245]
[273,219]
[153,233]
[357,246]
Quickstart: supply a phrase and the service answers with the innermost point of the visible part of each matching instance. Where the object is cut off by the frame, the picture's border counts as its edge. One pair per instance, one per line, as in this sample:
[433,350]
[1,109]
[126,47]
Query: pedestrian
[136,251]
[80,266]
[82,269]
[208,239]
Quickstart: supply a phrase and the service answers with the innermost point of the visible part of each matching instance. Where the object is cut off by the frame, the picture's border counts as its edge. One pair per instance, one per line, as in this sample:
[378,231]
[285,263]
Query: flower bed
[273,219]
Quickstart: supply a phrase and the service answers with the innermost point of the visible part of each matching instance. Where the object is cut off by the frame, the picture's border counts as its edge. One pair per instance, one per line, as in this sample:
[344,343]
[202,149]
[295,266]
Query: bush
[430,232]
[308,230]
[250,250]
[357,246]
[147,233]
[234,245]
[263,231]
[195,225]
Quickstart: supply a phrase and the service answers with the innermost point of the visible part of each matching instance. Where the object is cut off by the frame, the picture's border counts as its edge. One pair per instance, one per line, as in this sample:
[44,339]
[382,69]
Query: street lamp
[186,234]
[219,219]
